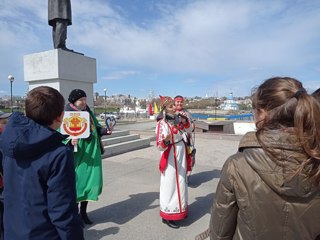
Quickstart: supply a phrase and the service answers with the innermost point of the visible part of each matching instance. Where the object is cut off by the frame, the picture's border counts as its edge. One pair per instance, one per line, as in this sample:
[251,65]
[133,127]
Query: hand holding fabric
[164,159]
[104,131]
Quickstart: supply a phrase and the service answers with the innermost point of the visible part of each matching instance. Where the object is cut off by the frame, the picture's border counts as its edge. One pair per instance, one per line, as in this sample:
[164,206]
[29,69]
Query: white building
[229,104]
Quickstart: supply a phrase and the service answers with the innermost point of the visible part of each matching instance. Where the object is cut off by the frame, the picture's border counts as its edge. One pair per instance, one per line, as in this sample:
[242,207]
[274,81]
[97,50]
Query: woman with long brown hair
[270,189]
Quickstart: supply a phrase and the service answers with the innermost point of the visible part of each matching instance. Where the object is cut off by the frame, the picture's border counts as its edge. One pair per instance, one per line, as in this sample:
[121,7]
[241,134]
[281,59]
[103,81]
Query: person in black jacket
[39,178]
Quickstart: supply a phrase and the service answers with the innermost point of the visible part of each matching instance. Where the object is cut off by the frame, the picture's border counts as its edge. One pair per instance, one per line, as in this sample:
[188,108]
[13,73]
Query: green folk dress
[88,164]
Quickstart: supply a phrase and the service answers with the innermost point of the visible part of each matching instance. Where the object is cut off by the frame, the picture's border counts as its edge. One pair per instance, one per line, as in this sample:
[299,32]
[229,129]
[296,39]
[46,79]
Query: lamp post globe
[11,79]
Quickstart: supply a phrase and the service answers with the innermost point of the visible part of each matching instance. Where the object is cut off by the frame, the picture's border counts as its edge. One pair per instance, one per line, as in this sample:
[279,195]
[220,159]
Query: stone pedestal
[61,70]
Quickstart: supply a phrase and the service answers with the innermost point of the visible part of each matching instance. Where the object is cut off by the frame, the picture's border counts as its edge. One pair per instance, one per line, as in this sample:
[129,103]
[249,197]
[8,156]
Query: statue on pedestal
[59,17]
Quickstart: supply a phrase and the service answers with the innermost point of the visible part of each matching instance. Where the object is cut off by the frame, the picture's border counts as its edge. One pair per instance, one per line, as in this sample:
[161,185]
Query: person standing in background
[88,161]
[59,17]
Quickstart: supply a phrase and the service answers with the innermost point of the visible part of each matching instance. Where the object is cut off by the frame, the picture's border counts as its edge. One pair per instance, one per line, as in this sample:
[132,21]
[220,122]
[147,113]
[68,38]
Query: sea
[202,116]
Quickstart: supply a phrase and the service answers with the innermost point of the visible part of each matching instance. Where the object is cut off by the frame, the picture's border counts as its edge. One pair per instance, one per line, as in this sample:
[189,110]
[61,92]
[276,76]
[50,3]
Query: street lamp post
[11,79]
[215,109]
[105,103]
[215,106]
[96,95]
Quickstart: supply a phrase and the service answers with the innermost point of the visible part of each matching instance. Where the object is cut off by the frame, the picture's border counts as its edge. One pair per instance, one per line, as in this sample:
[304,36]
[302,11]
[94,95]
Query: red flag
[150,109]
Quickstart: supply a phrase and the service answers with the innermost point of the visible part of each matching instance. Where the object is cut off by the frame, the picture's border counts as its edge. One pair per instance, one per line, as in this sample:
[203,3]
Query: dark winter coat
[259,198]
[39,180]
[59,9]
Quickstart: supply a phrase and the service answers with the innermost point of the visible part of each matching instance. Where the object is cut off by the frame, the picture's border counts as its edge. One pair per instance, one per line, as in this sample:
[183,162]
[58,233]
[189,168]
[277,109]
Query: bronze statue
[59,17]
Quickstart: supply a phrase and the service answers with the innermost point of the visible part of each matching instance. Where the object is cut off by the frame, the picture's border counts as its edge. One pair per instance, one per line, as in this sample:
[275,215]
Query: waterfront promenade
[129,205]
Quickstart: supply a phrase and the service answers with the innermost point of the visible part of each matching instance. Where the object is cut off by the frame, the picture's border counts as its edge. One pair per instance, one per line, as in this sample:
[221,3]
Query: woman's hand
[183,118]
[74,141]
[166,138]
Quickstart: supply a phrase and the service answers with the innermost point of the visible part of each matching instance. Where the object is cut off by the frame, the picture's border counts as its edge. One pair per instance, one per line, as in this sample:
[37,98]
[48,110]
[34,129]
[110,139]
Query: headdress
[76,94]
[165,101]
[178,97]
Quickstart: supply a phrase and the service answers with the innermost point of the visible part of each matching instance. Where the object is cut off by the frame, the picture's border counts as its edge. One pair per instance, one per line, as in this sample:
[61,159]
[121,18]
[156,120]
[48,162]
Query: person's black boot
[189,179]
[170,223]
[83,212]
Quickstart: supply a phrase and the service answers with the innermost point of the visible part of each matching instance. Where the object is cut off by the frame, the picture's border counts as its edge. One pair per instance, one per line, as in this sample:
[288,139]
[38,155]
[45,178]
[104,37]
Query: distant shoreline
[218,111]
[205,114]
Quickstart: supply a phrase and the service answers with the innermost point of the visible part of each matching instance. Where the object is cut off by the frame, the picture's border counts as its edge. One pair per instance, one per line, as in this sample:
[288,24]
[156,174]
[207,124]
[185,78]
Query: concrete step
[124,138]
[122,141]
[123,147]
[117,134]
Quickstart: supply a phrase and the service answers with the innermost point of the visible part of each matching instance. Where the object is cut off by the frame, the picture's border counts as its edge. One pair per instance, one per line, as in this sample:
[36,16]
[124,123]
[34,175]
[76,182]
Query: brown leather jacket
[258,198]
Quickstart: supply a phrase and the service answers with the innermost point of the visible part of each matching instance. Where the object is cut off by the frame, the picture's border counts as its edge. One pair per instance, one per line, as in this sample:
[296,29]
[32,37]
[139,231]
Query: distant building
[246,101]
[229,104]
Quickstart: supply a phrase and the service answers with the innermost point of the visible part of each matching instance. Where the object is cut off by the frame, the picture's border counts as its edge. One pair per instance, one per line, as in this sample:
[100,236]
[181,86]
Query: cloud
[21,25]
[121,75]
[205,37]
[216,44]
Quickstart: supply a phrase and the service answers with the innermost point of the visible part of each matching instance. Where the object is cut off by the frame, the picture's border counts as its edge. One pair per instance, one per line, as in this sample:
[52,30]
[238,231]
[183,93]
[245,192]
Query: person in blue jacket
[39,178]
[3,122]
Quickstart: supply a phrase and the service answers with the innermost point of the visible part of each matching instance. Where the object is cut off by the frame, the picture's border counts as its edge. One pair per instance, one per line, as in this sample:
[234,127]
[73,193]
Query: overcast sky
[170,47]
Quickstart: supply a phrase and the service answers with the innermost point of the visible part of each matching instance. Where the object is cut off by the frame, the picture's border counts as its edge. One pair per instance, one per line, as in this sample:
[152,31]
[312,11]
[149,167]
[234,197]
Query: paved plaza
[128,208]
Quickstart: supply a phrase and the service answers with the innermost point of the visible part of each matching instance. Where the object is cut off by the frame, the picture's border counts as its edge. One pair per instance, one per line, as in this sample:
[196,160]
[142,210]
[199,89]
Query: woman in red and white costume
[170,139]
